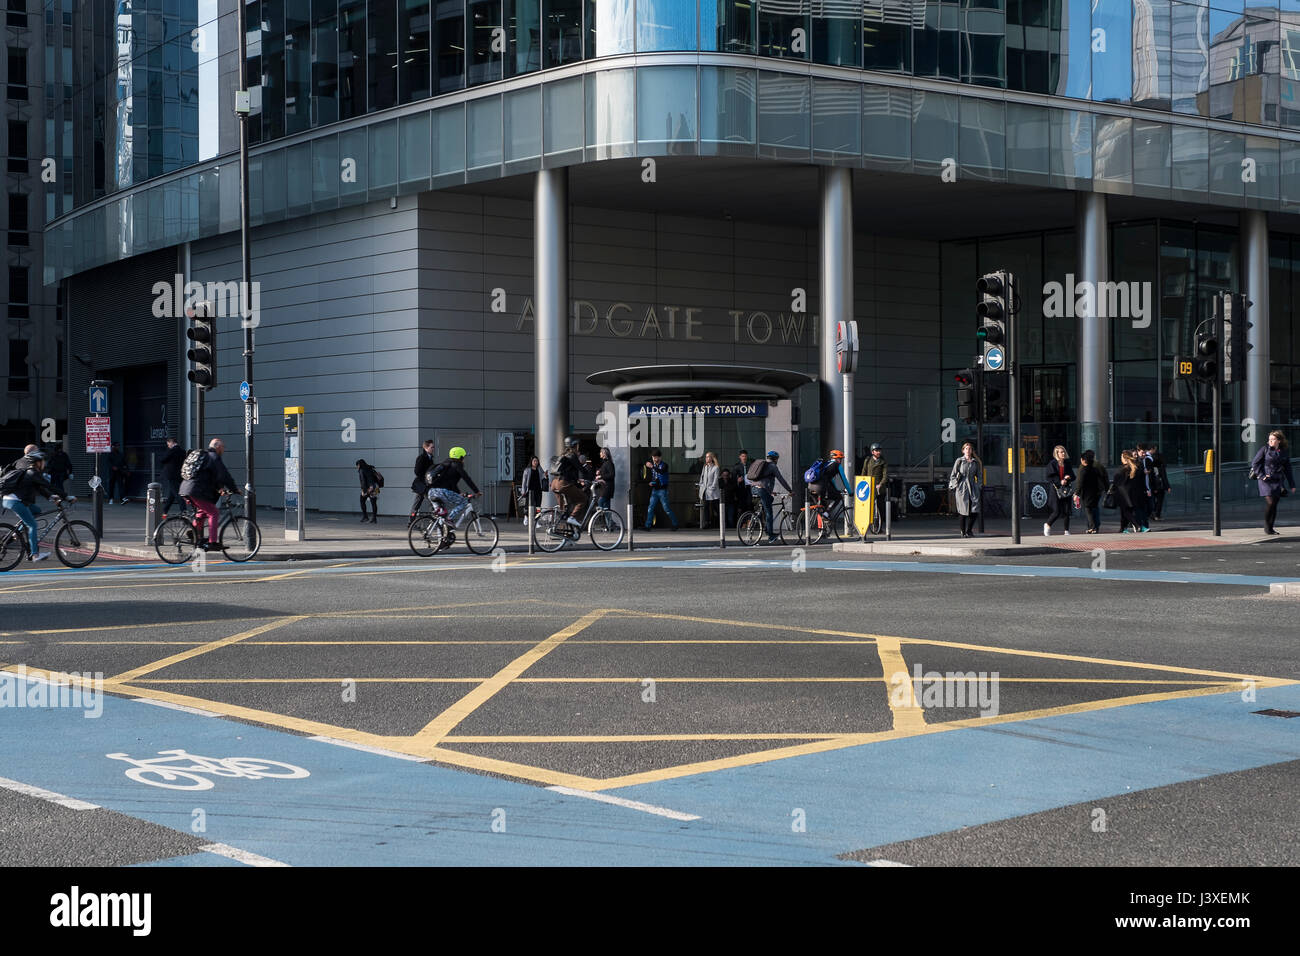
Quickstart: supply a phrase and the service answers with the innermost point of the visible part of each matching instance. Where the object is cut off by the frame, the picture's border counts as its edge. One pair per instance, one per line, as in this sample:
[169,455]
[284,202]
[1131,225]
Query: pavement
[340,536]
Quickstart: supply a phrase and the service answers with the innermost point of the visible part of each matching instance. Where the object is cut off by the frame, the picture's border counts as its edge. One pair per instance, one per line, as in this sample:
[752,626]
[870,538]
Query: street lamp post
[245,295]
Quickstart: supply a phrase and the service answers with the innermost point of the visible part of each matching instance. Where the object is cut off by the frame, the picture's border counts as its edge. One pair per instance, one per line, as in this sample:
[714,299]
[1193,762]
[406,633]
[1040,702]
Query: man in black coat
[171,474]
[423,462]
[58,468]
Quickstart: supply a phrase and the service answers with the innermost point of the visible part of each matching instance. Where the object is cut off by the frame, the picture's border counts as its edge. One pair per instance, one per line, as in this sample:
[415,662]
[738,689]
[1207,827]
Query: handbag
[1109,502]
[1064,491]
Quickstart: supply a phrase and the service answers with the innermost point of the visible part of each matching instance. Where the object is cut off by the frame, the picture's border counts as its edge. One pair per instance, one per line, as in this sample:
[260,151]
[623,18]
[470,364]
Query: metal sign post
[1013,375]
[99,439]
[294,501]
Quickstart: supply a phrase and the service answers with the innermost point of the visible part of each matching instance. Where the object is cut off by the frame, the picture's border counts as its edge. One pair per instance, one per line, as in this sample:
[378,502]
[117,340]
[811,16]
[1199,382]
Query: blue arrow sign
[98,400]
[994,359]
[864,490]
[245,391]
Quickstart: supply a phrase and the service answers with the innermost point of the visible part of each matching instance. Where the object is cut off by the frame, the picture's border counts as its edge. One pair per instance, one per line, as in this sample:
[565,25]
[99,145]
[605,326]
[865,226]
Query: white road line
[181,707]
[368,749]
[243,856]
[887,863]
[630,804]
[49,795]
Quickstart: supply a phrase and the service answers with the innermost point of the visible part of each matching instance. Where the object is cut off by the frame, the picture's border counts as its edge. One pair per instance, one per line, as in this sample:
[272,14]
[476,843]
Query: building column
[551,305]
[836,299]
[1093,239]
[1256,397]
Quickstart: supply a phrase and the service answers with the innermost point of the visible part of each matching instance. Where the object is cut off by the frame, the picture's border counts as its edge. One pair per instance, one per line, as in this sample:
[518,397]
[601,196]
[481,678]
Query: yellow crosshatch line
[663,680]
[430,742]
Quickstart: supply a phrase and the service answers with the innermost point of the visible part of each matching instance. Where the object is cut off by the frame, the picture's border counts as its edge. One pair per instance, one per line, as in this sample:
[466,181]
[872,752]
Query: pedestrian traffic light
[967,407]
[996,408]
[1235,345]
[992,311]
[1205,363]
[202,353]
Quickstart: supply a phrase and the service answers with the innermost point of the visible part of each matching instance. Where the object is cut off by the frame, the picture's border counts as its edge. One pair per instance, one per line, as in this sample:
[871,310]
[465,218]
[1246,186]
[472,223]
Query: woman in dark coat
[533,481]
[369,490]
[1061,477]
[1130,494]
[1272,466]
[1089,488]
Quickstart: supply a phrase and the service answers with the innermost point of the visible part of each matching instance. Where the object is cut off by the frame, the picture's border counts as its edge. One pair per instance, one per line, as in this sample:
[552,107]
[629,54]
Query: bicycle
[835,518]
[603,525]
[177,539]
[75,542]
[750,528]
[430,533]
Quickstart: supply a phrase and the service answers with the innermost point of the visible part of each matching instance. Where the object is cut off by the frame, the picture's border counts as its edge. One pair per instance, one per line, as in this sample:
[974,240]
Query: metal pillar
[245,290]
[1256,402]
[550,300]
[836,298]
[1092,230]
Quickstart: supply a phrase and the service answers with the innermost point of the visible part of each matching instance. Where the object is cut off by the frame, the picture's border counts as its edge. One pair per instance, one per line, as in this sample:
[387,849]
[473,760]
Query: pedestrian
[117,474]
[966,482]
[369,490]
[709,496]
[532,483]
[1271,467]
[58,468]
[656,469]
[743,490]
[1089,488]
[423,462]
[1162,486]
[207,479]
[22,482]
[171,475]
[603,487]
[1129,490]
[764,475]
[1150,478]
[1061,477]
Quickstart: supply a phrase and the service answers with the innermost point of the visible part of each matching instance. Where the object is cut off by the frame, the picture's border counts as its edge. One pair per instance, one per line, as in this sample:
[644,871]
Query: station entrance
[688,412]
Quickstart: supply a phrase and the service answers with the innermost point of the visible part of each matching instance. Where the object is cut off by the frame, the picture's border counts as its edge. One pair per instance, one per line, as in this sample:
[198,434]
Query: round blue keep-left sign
[863,490]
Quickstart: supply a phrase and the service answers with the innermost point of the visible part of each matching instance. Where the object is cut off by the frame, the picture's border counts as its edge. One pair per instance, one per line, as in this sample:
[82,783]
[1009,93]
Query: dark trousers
[116,484]
[170,487]
[374,505]
[968,523]
[1270,511]
[1061,509]
[1157,504]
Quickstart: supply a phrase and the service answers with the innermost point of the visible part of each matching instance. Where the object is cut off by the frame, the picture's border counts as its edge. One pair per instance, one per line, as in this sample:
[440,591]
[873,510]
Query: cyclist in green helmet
[444,486]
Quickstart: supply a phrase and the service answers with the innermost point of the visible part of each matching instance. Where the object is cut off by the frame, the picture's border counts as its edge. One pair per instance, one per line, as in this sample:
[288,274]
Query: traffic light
[996,408]
[1205,362]
[202,353]
[992,311]
[1235,345]
[967,407]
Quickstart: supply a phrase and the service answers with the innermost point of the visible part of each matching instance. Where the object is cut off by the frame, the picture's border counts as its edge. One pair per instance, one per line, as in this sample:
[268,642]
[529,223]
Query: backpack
[379,479]
[195,464]
[434,473]
[815,471]
[9,478]
[755,472]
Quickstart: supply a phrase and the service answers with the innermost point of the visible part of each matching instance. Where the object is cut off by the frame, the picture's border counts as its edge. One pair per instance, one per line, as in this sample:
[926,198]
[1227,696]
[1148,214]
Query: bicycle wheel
[877,521]
[11,546]
[749,529]
[606,529]
[550,535]
[175,541]
[842,526]
[76,544]
[789,528]
[481,534]
[425,536]
[241,539]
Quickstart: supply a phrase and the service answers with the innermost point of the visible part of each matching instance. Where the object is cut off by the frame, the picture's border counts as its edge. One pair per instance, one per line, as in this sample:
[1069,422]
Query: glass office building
[1154,142]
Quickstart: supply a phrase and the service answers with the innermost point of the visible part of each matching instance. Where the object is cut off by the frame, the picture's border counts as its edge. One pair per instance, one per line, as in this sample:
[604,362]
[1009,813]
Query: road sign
[846,346]
[505,456]
[98,400]
[995,359]
[864,506]
[99,435]
[245,391]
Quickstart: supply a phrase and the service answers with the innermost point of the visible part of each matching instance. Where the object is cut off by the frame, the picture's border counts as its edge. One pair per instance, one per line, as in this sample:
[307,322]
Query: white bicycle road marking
[160,771]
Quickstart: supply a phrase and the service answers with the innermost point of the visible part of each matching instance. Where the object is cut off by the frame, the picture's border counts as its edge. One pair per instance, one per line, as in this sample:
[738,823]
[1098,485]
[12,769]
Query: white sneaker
[40,555]
[1066,531]
[574,521]
[1047,529]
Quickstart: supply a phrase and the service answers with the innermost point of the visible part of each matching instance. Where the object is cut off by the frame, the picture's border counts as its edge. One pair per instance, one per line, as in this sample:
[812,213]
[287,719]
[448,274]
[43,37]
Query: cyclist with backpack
[567,481]
[203,479]
[764,475]
[821,474]
[444,486]
[371,482]
[20,484]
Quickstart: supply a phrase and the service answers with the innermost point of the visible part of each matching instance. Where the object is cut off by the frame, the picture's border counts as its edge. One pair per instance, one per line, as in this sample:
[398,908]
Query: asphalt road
[748,707]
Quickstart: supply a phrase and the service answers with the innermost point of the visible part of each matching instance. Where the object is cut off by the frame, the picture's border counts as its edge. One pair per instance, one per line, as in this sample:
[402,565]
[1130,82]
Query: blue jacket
[659,475]
[1272,465]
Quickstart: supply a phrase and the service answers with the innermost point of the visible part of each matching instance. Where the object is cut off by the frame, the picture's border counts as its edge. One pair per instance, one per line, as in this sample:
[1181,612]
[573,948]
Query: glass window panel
[728,105]
[1070,69]
[485,41]
[325,62]
[783,28]
[297,65]
[414,66]
[611,27]
[983,48]
[1152,55]
[982,143]
[935,130]
[449,44]
[1027,139]
[352,58]
[1189,41]
[887,122]
[1290,162]
[784,111]
[413,148]
[836,26]
[837,118]
[449,141]
[523,19]
[273,185]
[736,30]
[666,110]
[611,109]
[1029,39]
[298,179]
[1151,154]
[272,69]
[353,151]
[1133,260]
[1191,151]
[562,24]
[887,35]
[483,132]
[325,172]
[382,59]
[1227,150]
[523,117]
[665,25]
[563,115]
[937,41]
[1071,147]
[1112,50]
[1113,150]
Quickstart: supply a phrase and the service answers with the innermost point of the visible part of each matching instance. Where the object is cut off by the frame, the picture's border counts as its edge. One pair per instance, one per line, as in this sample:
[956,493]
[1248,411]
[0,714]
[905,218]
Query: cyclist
[567,481]
[822,484]
[444,486]
[23,481]
[765,478]
[208,480]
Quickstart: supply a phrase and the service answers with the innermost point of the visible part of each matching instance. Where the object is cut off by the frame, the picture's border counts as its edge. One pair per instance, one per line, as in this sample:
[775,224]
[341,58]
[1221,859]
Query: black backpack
[379,479]
[10,477]
[433,474]
[195,464]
